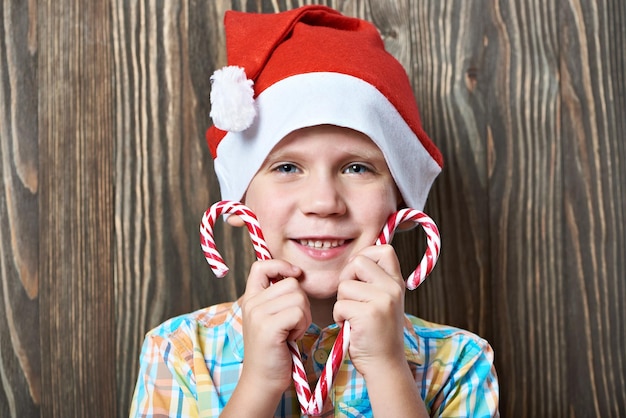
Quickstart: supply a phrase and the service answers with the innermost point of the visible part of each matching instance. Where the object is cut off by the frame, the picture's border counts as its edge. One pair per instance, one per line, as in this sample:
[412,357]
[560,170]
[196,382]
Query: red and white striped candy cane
[308,404]
[312,403]
[207,242]
[433,243]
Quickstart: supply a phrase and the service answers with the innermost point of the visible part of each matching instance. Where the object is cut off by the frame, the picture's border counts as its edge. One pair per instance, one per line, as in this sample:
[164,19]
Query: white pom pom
[232,99]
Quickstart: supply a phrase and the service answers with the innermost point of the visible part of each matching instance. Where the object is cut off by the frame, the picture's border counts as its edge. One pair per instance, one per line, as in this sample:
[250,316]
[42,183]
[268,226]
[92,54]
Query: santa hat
[312,66]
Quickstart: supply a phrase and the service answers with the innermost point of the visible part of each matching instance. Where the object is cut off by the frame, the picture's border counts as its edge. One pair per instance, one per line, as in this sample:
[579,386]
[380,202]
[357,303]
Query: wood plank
[20,385]
[526,205]
[77,317]
[447,69]
[593,125]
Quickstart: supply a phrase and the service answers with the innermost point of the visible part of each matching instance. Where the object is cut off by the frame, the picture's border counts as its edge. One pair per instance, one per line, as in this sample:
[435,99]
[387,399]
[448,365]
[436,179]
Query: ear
[235,220]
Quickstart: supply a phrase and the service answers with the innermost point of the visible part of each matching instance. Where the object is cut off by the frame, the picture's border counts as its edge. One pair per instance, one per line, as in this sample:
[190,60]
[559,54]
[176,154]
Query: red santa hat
[312,66]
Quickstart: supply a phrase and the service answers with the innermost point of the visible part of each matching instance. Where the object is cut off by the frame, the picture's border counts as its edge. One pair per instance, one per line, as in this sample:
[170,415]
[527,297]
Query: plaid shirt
[190,366]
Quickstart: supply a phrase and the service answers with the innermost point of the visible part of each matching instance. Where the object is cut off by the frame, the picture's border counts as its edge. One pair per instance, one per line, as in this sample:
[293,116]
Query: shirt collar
[413,347]
[234,330]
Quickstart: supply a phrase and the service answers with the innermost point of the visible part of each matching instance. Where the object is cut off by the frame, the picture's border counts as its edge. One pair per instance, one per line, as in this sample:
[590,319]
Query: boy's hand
[371,297]
[272,315]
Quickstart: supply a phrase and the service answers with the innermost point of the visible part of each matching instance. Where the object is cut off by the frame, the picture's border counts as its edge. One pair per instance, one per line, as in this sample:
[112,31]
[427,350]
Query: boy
[317,131]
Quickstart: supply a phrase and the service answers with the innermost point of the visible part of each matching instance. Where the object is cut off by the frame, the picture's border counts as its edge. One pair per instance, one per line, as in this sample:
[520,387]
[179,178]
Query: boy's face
[323,194]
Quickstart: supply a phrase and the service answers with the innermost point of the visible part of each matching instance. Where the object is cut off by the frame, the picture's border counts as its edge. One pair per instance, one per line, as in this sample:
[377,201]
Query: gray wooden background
[103,108]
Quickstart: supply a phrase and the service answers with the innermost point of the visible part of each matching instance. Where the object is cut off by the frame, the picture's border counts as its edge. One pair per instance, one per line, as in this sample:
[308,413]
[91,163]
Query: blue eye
[356,169]
[286,168]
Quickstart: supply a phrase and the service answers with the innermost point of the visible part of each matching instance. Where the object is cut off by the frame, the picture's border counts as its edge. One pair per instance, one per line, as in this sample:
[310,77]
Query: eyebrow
[358,154]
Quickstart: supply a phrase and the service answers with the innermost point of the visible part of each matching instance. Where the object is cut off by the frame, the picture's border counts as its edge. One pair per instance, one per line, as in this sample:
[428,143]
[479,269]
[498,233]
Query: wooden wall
[103,106]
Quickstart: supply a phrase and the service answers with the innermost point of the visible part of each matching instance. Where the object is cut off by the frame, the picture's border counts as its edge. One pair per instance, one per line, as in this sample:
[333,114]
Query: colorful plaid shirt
[190,366]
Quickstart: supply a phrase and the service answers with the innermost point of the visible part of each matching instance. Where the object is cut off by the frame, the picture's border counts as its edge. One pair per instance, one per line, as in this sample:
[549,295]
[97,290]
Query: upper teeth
[321,244]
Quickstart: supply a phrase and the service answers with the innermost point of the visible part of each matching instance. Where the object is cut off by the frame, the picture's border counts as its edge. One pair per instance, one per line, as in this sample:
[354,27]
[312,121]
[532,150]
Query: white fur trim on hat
[312,99]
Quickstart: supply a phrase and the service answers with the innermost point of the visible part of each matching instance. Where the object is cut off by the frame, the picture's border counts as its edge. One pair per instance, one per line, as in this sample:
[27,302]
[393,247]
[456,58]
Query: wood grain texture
[76,298]
[103,108]
[525,192]
[447,53]
[20,369]
[593,77]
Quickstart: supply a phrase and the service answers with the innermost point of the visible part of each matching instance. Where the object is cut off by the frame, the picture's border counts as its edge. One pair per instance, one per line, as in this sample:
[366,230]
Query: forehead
[330,139]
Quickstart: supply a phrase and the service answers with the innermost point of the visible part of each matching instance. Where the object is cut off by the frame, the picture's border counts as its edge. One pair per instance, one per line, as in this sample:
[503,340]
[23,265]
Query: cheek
[387,200]
[268,214]
[380,206]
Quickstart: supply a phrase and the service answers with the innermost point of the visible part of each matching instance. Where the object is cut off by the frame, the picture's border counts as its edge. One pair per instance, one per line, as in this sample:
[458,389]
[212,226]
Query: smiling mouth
[321,244]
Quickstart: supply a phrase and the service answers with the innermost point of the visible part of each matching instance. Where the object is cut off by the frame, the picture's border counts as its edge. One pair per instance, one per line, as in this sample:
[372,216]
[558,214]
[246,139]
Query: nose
[322,197]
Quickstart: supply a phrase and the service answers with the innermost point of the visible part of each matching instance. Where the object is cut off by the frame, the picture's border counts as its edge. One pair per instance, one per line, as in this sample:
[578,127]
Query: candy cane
[308,404]
[312,404]
[433,245]
[207,242]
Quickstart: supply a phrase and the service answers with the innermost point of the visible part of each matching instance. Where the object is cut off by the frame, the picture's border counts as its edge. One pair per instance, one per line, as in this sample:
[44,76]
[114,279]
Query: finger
[363,302]
[279,317]
[263,273]
[300,322]
[384,256]
[235,220]
[277,298]
[357,291]
[282,308]
[347,310]
[374,265]
[383,298]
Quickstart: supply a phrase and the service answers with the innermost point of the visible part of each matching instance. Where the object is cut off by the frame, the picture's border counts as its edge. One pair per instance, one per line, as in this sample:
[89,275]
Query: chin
[321,288]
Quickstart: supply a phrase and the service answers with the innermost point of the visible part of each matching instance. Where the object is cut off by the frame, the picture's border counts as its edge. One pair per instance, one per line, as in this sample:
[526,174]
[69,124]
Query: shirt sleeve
[472,387]
[166,384]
